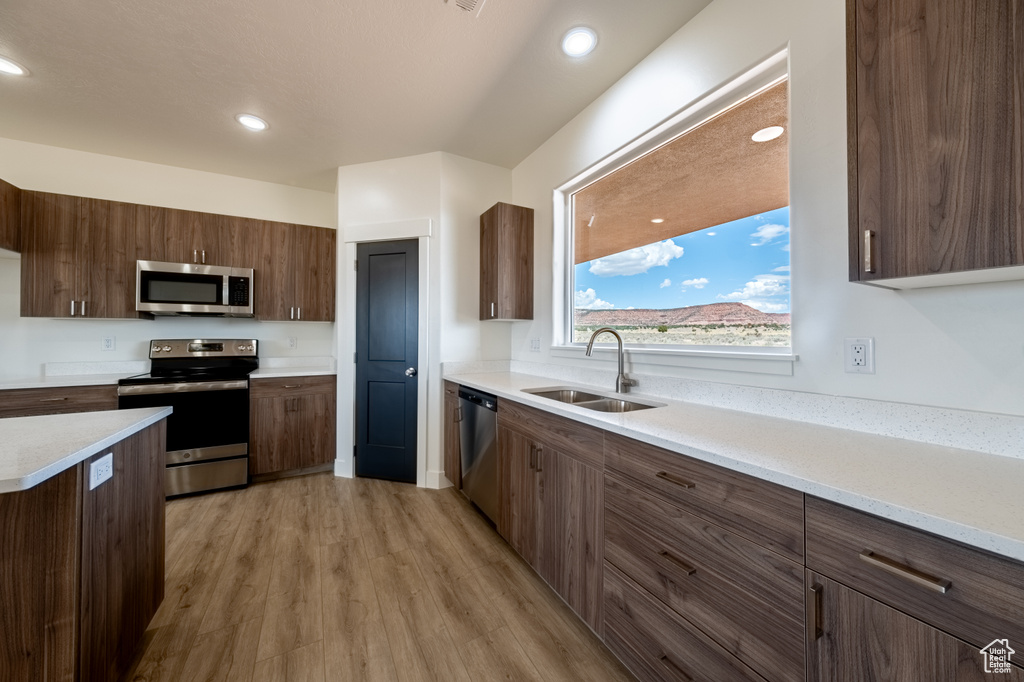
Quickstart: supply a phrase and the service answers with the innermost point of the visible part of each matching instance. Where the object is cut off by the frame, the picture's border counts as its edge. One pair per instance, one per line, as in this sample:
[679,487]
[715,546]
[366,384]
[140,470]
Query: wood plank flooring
[320,578]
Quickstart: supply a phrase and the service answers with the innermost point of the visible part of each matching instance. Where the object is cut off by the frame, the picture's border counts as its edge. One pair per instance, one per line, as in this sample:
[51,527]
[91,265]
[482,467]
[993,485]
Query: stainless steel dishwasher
[478,438]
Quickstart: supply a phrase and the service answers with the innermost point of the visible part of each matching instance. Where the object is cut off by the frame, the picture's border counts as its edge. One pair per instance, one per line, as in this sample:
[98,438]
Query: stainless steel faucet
[622,383]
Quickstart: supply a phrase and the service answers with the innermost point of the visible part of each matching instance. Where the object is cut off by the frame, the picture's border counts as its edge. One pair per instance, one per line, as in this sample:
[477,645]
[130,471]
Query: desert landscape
[713,324]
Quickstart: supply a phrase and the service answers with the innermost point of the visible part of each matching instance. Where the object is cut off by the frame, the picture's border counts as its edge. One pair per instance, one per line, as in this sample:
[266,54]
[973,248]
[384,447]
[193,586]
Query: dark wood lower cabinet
[452,451]
[292,423]
[122,554]
[82,571]
[31,402]
[862,639]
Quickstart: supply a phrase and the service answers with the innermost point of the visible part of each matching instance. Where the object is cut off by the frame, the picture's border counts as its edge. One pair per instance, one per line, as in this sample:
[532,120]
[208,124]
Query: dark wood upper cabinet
[77,257]
[506,263]
[295,272]
[936,140]
[10,217]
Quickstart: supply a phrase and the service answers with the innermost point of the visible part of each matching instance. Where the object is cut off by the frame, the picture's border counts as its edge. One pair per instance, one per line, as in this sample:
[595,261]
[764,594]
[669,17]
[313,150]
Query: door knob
[411,372]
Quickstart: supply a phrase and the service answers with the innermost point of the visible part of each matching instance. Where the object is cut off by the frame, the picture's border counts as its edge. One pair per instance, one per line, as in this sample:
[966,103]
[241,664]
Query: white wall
[27,343]
[957,347]
[451,192]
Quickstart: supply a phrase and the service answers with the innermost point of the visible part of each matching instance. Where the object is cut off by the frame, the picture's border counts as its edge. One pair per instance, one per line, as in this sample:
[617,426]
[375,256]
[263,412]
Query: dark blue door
[387,320]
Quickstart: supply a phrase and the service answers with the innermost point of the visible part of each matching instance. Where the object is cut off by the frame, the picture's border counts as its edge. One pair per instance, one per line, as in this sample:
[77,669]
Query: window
[687,244]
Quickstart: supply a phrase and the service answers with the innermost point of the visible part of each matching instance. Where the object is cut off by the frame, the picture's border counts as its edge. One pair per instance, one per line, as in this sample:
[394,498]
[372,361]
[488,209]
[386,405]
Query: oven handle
[189,387]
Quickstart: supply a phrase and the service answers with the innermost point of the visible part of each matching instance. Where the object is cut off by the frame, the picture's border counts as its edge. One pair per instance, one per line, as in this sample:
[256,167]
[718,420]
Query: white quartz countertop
[34,449]
[278,372]
[972,497]
[60,381]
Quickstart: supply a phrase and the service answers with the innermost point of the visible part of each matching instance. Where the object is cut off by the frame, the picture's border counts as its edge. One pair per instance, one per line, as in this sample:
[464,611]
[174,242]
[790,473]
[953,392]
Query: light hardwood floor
[322,578]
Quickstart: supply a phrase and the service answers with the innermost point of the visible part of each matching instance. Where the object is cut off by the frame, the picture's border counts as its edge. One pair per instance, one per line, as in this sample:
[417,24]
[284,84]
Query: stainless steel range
[206,381]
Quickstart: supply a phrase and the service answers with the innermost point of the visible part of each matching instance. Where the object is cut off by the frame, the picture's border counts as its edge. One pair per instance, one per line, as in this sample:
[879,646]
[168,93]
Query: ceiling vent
[474,6]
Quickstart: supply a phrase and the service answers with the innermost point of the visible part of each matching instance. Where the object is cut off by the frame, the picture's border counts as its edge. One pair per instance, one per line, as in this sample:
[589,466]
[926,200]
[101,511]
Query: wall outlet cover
[108,343]
[859,355]
[101,470]
[535,345]
[293,342]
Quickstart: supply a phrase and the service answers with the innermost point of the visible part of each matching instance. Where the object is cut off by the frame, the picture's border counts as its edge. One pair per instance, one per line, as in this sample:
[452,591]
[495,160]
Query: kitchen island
[81,561]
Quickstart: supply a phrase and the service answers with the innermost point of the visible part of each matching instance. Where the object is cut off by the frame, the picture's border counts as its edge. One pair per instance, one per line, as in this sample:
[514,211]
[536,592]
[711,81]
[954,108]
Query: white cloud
[767,233]
[784,268]
[711,234]
[760,286]
[767,306]
[698,283]
[588,299]
[666,283]
[638,260]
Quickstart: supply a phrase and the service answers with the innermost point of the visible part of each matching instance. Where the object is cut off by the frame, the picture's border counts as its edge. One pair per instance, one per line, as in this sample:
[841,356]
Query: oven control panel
[202,348]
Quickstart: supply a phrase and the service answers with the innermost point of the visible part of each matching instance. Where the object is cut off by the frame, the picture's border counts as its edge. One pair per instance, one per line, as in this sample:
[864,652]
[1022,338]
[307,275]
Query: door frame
[420,230]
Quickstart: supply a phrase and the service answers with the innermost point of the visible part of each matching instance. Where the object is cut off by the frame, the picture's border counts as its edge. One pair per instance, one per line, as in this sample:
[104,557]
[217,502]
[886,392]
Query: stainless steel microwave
[193,289]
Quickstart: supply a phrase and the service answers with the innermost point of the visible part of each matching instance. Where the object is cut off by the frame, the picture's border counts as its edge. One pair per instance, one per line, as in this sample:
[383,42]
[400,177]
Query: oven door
[210,418]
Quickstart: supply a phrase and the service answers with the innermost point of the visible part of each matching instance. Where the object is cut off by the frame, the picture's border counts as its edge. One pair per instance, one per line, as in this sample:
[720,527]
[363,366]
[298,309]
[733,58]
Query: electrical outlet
[859,356]
[101,470]
[108,343]
[293,342]
[535,345]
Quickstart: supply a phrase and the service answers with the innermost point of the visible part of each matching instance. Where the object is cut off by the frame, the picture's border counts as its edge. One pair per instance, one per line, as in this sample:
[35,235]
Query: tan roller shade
[712,175]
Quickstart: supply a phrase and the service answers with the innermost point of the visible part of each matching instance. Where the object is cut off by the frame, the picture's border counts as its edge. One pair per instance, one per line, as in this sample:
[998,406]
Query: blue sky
[746,260]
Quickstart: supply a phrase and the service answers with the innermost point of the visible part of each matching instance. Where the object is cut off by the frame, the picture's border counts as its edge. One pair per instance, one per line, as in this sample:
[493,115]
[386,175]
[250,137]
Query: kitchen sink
[589,400]
[563,395]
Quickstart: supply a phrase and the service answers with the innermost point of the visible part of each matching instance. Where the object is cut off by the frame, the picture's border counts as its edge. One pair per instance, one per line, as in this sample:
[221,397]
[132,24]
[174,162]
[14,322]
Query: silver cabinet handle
[298,314]
[812,601]
[458,413]
[492,309]
[52,400]
[674,480]
[204,256]
[292,314]
[869,238]
[930,582]
[292,386]
[72,308]
[411,372]
[83,309]
[195,255]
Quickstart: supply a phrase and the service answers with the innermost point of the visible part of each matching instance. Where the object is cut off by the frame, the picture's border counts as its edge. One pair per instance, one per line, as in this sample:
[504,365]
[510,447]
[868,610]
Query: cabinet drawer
[29,402]
[984,598]
[747,598]
[767,514]
[579,441]
[451,390]
[284,386]
[656,644]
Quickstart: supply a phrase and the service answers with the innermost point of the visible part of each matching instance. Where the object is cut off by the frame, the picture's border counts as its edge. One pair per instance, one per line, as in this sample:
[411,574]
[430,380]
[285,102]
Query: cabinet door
[506,263]
[936,118]
[313,266]
[316,427]
[518,493]
[862,639]
[452,453]
[274,275]
[270,442]
[51,224]
[292,423]
[229,241]
[578,494]
[10,217]
[182,233]
[107,262]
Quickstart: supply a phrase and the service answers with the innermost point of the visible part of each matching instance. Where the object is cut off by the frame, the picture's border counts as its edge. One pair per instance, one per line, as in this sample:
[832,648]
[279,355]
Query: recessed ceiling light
[658,220]
[579,41]
[12,68]
[769,133]
[251,122]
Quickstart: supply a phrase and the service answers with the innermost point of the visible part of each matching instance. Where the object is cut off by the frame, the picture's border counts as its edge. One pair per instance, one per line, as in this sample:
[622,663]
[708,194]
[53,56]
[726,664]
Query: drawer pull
[899,570]
[293,385]
[813,604]
[52,400]
[687,568]
[675,480]
[674,667]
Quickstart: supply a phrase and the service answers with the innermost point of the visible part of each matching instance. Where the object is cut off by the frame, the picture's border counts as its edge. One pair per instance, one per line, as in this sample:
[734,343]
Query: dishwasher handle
[479,398]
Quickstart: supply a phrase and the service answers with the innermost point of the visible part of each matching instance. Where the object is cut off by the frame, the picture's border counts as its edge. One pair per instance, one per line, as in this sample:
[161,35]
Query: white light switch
[101,470]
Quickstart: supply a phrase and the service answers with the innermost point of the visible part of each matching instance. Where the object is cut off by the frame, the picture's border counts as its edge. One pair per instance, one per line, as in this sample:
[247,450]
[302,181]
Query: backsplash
[997,434]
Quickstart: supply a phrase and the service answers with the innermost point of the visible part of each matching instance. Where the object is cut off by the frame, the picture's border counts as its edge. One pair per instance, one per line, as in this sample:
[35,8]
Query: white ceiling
[339,81]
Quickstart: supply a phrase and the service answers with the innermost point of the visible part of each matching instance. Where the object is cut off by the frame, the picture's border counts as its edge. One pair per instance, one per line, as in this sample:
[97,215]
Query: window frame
[764,75]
